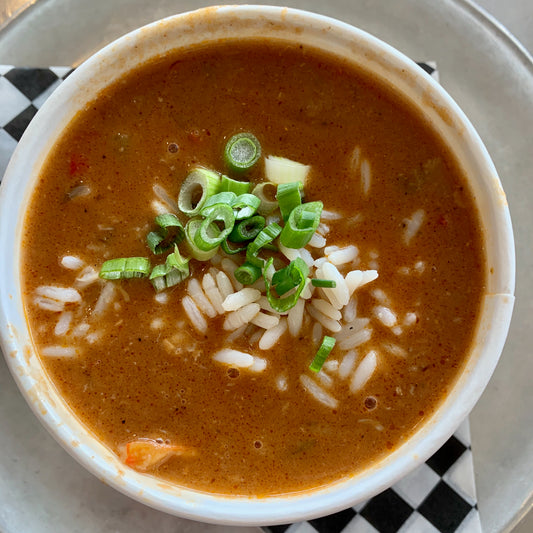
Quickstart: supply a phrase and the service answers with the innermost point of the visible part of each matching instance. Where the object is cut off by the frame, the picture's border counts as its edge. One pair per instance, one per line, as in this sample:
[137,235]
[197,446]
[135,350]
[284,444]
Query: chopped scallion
[125,268]
[198,186]
[246,230]
[325,348]
[266,192]
[174,271]
[247,273]
[301,225]
[162,240]
[238,187]
[191,229]
[226,197]
[289,197]
[242,152]
[231,251]
[325,283]
[300,273]
[207,238]
[265,236]
[245,206]
[289,277]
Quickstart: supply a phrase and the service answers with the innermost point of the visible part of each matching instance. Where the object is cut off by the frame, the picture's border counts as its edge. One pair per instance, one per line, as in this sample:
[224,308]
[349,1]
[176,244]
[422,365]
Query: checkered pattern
[439,496]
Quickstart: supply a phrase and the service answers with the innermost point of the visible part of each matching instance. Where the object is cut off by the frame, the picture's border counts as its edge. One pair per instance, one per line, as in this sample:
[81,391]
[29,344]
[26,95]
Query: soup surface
[142,371]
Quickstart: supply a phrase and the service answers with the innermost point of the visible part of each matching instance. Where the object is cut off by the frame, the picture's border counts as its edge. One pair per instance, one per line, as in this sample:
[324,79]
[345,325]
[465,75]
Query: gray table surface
[515,15]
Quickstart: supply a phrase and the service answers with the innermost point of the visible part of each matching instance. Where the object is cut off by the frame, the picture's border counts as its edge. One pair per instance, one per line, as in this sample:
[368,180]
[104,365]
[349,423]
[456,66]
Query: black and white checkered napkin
[438,497]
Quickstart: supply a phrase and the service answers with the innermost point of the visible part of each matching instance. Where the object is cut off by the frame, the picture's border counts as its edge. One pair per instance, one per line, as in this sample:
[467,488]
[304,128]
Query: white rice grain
[158,207]
[331,365]
[366,176]
[86,277]
[161,297]
[349,312]
[307,257]
[413,225]
[195,316]
[265,321]
[394,349]
[295,317]
[236,334]
[212,293]
[410,319]
[326,308]
[325,321]
[329,215]
[200,299]
[258,365]
[322,229]
[71,262]
[234,358]
[224,284]
[347,364]
[58,351]
[339,295]
[317,241]
[355,279]
[271,336]
[316,334]
[48,305]
[63,323]
[385,315]
[81,329]
[348,329]
[241,316]
[105,299]
[229,268]
[325,380]
[240,299]
[308,291]
[318,392]
[60,294]
[290,253]
[163,195]
[343,255]
[355,340]
[281,383]
[363,372]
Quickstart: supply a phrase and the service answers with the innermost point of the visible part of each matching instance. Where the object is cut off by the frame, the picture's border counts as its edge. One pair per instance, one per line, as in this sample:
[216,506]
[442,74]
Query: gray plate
[43,490]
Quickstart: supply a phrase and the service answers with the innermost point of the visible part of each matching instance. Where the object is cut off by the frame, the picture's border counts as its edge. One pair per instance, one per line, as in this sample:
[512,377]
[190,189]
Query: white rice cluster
[72,310]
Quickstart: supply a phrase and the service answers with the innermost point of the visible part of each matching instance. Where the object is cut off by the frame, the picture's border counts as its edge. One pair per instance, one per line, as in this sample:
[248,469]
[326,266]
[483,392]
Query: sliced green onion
[198,186]
[125,268]
[245,205]
[159,241]
[191,229]
[322,354]
[242,152]
[289,197]
[265,236]
[289,277]
[266,192]
[238,187]
[301,225]
[283,170]
[231,251]
[174,271]
[225,197]
[300,271]
[247,273]
[206,238]
[326,283]
[246,230]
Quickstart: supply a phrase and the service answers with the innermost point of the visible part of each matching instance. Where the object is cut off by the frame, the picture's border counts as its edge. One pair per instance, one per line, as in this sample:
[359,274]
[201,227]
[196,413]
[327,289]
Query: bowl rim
[219,508]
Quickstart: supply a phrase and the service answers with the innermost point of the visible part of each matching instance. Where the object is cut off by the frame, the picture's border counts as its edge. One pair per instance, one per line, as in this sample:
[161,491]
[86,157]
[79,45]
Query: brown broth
[302,104]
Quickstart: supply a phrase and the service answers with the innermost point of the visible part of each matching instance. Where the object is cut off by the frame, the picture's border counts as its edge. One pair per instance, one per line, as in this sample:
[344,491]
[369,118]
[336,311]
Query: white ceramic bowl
[206,25]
